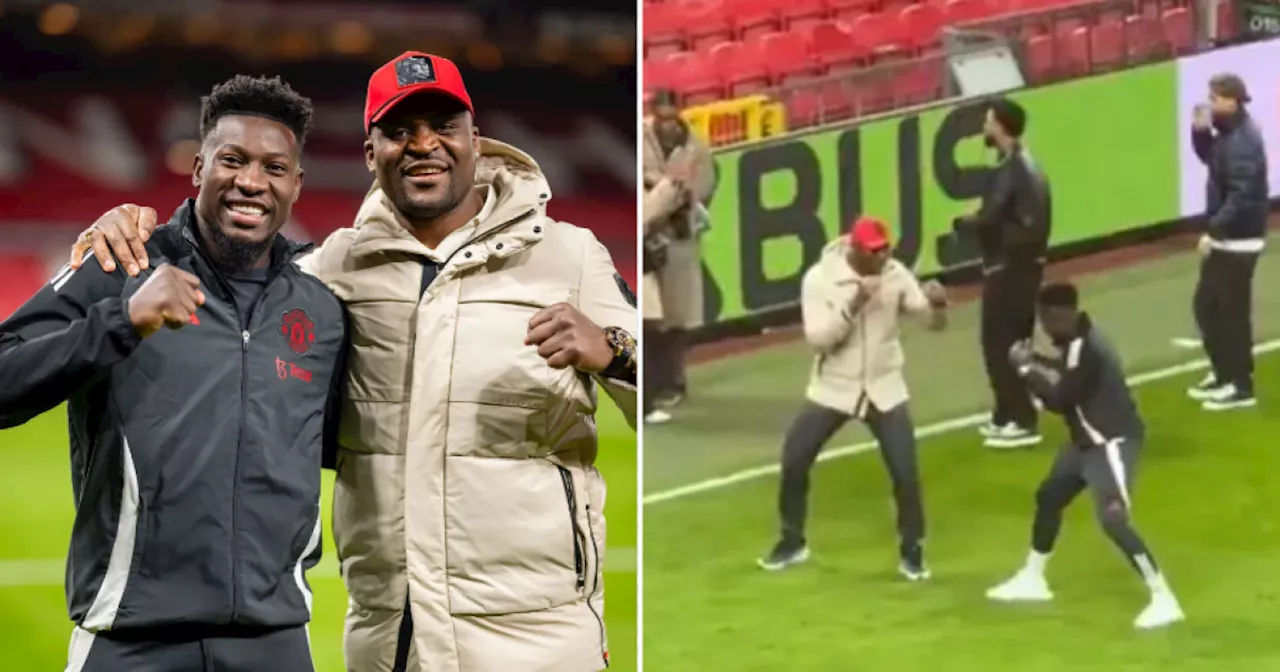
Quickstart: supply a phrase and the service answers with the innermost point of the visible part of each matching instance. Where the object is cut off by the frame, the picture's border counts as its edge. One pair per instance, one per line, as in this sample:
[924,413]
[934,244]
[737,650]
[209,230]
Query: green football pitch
[1207,501]
[35,488]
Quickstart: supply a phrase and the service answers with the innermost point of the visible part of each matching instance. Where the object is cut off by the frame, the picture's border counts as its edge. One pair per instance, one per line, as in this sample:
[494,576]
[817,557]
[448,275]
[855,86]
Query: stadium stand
[829,60]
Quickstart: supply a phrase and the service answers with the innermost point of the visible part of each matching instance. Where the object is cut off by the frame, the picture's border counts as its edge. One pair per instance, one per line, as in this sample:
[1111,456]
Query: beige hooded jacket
[466,487]
[859,358]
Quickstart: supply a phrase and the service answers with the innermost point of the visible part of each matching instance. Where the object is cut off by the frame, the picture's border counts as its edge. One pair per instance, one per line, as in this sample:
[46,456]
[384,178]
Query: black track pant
[811,430]
[1009,316]
[1108,473]
[1224,314]
[191,650]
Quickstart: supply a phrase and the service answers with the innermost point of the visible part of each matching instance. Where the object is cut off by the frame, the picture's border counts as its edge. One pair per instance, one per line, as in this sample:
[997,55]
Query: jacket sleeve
[995,202]
[62,339]
[1202,142]
[659,202]
[333,406]
[1242,168]
[1078,378]
[606,299]
[703,186]
[827,320]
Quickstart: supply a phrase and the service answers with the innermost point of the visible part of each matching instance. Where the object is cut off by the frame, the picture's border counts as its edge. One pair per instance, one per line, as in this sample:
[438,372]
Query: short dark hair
[665,97]
[1059,295]
[268,97]
[1010,115]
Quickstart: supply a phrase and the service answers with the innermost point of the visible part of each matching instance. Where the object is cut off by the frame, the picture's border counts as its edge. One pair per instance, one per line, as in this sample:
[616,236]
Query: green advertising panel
[1106,144]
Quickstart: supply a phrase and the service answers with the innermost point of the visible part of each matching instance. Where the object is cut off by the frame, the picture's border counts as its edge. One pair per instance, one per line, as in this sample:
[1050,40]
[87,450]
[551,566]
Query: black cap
[1229,85]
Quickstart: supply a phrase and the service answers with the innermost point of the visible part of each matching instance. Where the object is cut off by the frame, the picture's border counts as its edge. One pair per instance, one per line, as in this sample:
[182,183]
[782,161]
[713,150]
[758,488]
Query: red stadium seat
[696,79]
[920,81]
[1040,63]
[967,11]
[787,56]
[1178,29]
[740,68]
[848,10]
[754,17]
[836,49]
[1143,34]
[706,23]
[921,25]
[1107,42]
[881,32]
[802,14]
[1077,50]
[663,30]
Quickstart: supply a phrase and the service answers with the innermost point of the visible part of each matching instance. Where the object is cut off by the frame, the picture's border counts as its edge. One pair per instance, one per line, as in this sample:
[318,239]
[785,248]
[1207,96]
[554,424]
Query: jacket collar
[183,223]
[520,192]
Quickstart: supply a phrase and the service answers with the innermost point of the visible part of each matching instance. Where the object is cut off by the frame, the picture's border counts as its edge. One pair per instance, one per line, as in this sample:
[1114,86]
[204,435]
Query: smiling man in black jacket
[195,450]
[1237,196]
[1089,390]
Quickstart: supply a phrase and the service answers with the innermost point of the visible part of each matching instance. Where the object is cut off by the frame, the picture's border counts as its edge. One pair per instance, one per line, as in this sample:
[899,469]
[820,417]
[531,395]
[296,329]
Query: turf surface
[1205,500]
[35,488]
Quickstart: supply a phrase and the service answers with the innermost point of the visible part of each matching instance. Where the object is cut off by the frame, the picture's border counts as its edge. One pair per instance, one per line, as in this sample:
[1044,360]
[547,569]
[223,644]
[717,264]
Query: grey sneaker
[783,556]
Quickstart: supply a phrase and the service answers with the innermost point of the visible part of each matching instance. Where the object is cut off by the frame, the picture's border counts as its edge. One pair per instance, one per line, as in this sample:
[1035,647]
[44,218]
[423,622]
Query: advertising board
[1104,142]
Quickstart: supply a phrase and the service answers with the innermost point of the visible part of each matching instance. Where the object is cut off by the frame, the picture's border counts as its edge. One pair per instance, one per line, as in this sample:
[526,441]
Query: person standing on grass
[468,511]
[1013,224]
[1089,390]
[1228,141]
[672,151]
[196,449]
[851,300]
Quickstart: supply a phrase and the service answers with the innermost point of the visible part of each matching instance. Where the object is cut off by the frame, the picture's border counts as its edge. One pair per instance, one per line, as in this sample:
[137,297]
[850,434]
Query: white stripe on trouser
[78,652]
[312,542]
[101,614]
[1112,450]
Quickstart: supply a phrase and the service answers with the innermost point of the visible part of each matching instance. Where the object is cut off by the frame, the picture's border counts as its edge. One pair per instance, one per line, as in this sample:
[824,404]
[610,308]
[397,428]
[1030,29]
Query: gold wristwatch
[623,365]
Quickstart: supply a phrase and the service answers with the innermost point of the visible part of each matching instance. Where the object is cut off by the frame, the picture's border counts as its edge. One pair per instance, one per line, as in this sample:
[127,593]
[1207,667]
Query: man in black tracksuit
[195,450]
[1229,143]
[1013,226]
[1089,390]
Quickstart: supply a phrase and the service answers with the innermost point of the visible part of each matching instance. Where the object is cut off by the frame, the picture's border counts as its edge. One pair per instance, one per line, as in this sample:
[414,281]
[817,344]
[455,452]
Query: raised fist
[167,299]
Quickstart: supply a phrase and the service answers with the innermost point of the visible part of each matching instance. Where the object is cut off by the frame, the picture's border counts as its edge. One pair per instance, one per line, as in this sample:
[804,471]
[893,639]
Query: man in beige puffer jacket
[851,300]
[468,514]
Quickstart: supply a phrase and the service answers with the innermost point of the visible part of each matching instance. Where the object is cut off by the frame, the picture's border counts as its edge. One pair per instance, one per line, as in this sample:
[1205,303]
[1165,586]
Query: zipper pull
[245,334]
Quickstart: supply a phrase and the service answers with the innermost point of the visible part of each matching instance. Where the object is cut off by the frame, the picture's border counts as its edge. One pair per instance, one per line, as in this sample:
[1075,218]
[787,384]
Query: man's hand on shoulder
[120,233]
[566,338]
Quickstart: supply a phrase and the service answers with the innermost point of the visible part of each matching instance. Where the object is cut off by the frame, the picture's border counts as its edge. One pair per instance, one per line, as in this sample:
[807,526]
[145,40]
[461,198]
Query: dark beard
[988,140]
[234,255]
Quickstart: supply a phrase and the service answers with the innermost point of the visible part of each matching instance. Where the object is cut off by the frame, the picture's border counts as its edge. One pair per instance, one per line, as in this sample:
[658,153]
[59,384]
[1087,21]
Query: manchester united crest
[298,330]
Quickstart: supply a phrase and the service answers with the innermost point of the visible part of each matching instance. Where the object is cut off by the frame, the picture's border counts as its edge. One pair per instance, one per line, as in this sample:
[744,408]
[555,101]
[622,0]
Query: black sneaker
[911,564]
[783,556]
[1236,398]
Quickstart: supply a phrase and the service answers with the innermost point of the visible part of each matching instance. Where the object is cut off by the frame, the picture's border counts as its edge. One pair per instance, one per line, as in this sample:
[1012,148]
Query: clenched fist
[935,293]
[567,338]
[167,299]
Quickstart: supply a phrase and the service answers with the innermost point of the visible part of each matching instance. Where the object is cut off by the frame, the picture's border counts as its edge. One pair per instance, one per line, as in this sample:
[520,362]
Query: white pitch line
[51,571]
[921,433]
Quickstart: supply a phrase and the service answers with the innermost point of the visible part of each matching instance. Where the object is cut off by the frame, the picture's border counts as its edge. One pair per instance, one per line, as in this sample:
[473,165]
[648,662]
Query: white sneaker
[1011,436]
[1209,388]
[1163,610]
[1025,586]
[657,417]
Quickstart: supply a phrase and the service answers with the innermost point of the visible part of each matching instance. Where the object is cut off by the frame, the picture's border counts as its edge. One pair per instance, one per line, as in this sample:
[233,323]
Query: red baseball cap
[409,73]
[869,234]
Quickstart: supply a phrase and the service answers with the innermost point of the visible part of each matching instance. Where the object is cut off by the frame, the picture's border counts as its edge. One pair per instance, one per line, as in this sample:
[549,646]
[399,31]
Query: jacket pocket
[579,561]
